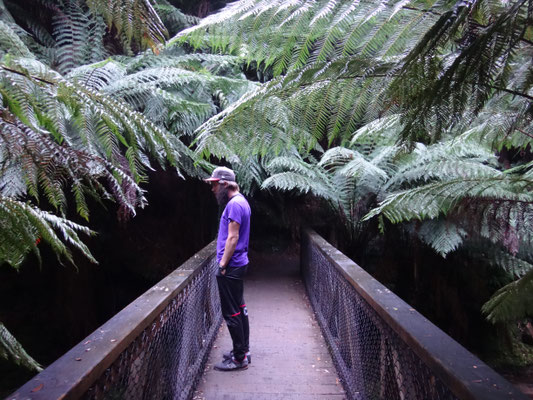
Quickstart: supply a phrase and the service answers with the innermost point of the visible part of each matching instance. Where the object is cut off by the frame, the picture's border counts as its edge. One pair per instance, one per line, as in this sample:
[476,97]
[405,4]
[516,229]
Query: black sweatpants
[234,311]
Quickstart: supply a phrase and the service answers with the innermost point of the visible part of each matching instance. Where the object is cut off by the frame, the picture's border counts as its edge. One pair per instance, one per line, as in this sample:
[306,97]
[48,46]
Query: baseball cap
[221,174]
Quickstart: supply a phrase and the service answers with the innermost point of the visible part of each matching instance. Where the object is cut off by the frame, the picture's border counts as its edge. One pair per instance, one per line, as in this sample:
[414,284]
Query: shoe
[231,364]
[229,354]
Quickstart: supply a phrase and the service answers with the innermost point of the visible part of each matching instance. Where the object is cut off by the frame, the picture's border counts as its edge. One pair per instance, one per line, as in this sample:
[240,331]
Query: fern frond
[138,20]
[347,166]
[11,43]
[292,173]
[515,266]
[289,181]
[173,19]
[512,302]
[97,76]
[433,199]
[448,160]
[437,90]
[79,36]
[11,350]
[443,236]
[259,127]
[223,65]
[23,224]
[289,35]
[97,126]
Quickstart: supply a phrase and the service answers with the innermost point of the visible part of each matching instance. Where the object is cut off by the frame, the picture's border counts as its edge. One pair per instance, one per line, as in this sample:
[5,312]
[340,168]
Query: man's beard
[222,196]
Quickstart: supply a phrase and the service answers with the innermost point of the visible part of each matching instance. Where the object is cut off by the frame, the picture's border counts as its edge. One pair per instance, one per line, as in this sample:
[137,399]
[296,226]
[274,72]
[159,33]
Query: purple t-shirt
[237,210]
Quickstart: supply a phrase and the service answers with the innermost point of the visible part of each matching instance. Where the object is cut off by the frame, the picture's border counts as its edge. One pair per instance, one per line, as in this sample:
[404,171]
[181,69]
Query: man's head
[222,182]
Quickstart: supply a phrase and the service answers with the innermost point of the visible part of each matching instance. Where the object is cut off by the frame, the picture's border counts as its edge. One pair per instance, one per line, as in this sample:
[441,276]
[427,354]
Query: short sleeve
[235,212]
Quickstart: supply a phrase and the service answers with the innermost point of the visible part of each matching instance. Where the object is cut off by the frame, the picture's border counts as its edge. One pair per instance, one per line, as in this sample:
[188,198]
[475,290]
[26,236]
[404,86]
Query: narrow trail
[290,359]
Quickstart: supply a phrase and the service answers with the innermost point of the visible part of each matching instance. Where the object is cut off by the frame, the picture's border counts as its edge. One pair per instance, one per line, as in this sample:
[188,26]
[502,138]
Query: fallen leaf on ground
[37,388]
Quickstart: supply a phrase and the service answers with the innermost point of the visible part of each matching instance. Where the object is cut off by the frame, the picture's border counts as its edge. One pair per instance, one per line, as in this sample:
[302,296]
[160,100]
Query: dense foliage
[411,112]
[395,110]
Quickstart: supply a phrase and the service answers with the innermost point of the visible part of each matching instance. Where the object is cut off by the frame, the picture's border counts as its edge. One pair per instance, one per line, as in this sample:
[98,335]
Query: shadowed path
[290,359]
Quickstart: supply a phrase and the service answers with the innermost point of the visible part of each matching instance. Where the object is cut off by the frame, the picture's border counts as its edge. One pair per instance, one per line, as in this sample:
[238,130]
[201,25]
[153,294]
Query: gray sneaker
[231,364]
[229,354]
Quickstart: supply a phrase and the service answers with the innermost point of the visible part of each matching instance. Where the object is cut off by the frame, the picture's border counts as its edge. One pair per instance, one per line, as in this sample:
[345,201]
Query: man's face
[220,191]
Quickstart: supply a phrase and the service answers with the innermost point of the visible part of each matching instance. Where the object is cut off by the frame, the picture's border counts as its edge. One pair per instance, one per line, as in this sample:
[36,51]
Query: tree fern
[297,175]
[438,90]
[24,226]
[11,42]
[441,235]
[54,132]
[177,92]
[511,302]
[307,31]
[11,350]
[70,33]
[173,19]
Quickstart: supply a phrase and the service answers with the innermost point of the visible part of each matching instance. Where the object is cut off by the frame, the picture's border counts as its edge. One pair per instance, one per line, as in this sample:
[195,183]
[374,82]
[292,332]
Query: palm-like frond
[137,19]
[56,131]
[439,85]
[24,226]
[173,19]
[71,33]
[290,173]
[11,350]
[11,42]
[295,33]
[442,236]
[511,302]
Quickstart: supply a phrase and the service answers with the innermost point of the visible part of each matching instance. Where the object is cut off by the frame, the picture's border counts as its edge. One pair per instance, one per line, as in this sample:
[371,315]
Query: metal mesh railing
[155,348]
[382,348]
[166,360]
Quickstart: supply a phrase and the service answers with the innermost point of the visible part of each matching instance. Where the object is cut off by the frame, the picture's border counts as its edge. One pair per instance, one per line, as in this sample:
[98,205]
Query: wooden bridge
[290,359]
[321,328]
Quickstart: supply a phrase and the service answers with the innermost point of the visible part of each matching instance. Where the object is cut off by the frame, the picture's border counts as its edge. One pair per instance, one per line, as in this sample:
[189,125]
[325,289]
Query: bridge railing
[381,346]
[155,348]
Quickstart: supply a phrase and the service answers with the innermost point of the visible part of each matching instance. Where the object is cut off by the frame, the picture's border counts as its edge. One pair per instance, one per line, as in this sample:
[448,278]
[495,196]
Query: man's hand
[231,244]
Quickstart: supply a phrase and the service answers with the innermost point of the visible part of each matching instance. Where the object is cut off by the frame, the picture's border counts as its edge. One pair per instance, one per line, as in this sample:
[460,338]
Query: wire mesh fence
[383,348]
[154,349]
[167,359]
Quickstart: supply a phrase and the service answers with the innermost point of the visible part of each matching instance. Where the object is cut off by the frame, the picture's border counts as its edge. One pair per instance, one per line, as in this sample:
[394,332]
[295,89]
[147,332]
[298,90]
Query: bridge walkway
[290,359]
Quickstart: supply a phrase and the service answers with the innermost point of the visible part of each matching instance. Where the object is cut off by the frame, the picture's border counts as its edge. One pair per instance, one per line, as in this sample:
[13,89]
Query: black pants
[234,311]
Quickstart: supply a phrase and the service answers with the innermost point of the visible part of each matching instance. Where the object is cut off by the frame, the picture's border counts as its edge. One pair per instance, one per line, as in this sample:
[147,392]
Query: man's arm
[231,243]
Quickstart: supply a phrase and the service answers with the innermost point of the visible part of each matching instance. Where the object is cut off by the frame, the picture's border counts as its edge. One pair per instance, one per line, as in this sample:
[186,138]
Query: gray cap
[222,174]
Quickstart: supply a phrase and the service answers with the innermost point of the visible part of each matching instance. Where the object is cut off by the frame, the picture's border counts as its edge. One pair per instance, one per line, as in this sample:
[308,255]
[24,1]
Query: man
[232,258]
